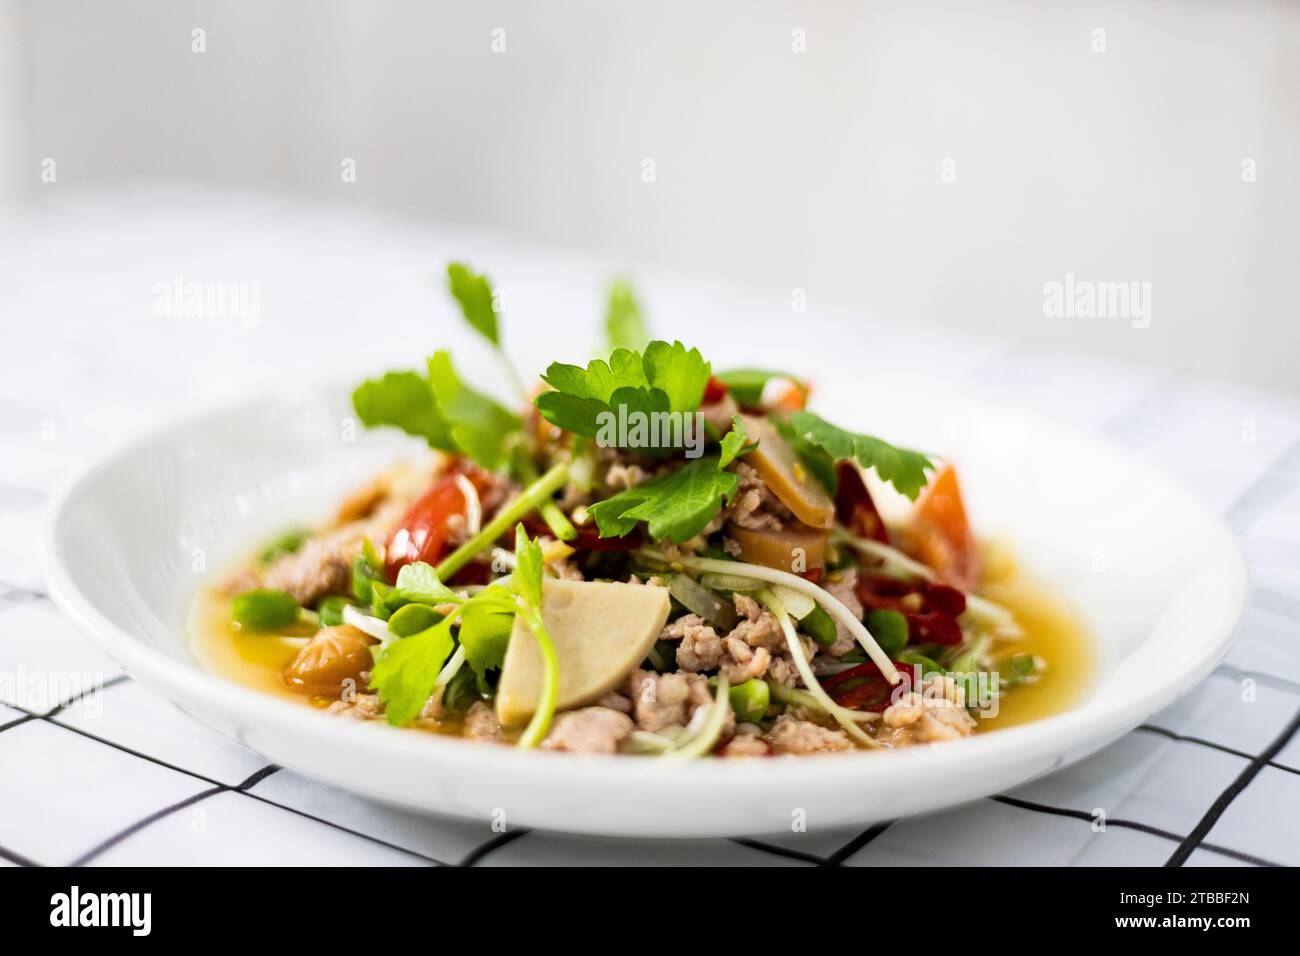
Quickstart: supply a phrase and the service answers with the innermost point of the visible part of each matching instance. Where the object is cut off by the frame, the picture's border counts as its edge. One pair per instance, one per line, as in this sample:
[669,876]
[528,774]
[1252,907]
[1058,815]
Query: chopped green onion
[927,665]
[555,519]
[712,609]
[730,582]
[797,603]
[264,609]
[528,500]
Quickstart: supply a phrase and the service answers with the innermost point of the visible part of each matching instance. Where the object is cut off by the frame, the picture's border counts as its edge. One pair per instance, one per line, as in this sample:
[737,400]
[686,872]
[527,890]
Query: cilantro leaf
[902,468]
[474,293]
[676,505]
[478,424]
[403,400]
[746,384]
[666,377]
[624,325]
[406,670]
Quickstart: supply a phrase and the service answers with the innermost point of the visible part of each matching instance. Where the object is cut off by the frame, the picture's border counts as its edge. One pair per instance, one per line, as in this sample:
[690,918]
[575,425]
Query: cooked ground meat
[844,589]
[754,506]
[323,564]
[935,711]
[740,662]
[666,700]
[360,707]
[792,736]
[591,730]
[746,745]
[481,722]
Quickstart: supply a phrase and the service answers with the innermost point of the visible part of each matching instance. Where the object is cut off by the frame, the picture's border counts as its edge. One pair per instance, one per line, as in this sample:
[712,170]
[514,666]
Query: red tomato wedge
[941,534]
[423,532]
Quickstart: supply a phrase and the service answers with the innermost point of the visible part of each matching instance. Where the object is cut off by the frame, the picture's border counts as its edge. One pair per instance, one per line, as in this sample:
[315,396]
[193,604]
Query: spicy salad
[644,554]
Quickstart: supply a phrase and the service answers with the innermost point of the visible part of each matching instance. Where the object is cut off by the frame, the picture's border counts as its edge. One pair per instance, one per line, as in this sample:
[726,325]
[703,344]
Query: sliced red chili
[854,507]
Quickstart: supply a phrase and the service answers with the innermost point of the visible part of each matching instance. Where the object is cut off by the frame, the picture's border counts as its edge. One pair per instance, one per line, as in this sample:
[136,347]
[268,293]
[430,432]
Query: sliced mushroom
[333,656]
[783,472]
[601,630]
[796,547]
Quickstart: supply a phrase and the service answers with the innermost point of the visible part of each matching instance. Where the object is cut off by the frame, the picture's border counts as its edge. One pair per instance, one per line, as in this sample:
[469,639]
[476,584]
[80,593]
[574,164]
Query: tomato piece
[941,534]
[853,505]
[714,392]
[422,533]
[793,398]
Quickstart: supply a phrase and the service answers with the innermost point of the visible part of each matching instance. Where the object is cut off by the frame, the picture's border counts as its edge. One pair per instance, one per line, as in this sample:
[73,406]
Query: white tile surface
[1259,820]
[46,657]
[1234,712]
[133,717]
[69,793]
[230,829]
[443,839]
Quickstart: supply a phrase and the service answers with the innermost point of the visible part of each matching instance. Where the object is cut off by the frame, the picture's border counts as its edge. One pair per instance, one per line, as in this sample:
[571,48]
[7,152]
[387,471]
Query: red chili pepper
[853,505]
[864,688]
[813,574]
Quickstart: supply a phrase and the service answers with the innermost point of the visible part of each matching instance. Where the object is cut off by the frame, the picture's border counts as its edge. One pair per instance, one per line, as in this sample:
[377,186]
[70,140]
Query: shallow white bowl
[1158,579]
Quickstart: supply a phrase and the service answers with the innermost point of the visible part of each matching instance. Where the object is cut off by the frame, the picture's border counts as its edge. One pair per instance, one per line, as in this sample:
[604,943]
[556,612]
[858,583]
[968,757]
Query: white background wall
[817,170]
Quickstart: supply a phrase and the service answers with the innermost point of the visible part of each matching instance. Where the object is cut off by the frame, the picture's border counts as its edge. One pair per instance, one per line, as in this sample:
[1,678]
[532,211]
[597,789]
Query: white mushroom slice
[601,630]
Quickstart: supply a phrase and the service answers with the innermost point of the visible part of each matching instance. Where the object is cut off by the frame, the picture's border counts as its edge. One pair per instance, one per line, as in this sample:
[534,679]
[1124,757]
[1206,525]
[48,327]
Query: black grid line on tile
[1222,748]
[501,839]
[140,824]
[16,858]
[1197,837]
[857,843]
[1128,825]
[774,850]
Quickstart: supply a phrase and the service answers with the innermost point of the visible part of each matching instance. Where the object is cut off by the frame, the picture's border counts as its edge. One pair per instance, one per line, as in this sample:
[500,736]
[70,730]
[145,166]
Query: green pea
[264,609]
[819,625]
[889,628]
[750,700]
[330,610]
[412,619]
[287,543]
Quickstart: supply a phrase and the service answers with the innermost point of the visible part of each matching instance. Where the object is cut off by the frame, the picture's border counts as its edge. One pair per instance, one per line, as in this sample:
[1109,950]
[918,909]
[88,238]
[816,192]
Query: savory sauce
[1052,631]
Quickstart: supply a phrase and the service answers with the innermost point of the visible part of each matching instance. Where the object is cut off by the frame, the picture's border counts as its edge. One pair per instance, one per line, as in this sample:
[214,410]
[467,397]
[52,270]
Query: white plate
[1158,579]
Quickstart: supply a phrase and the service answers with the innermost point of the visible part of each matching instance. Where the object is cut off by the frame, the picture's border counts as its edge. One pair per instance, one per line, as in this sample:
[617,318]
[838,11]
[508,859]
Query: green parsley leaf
[474,293]
[733,443]
[666,377]
[624,324]
[746,384]
[485,628]
[676,505]
[814,458]
[417,583]
[478,424]
[403,400]
[902,468]
[406,670]
[526,581]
